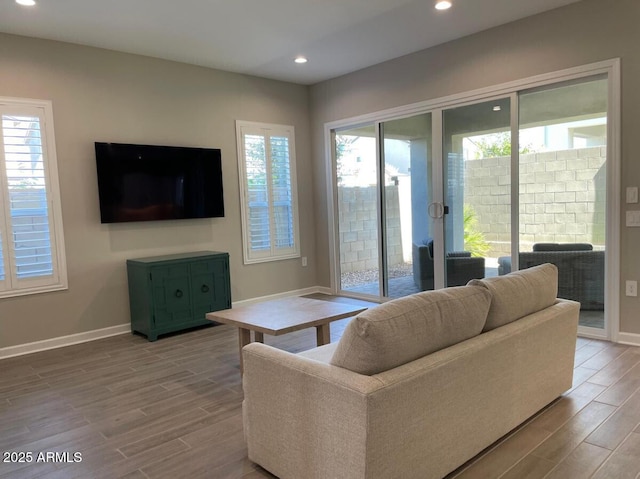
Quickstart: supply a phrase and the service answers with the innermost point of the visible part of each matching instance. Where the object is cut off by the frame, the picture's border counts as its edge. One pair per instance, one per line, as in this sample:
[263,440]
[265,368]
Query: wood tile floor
[172,409]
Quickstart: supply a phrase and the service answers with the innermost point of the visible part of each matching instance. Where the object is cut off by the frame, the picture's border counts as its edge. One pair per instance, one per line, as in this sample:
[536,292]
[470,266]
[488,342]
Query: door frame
[613,204]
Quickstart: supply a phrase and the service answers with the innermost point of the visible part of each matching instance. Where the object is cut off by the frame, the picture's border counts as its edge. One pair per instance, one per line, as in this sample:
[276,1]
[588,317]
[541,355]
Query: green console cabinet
[174,292]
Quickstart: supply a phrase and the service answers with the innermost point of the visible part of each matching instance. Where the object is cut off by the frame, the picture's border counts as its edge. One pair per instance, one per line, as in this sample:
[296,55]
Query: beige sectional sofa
[416,386]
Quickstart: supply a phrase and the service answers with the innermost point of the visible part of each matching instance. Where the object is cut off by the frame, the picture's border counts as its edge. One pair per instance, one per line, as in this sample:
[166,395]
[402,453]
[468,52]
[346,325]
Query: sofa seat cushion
[322,354]
[520,293]
[408,328]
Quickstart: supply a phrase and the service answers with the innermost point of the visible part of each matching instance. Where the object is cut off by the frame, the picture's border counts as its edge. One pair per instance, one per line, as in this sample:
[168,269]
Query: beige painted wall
[581,33]
[99,95]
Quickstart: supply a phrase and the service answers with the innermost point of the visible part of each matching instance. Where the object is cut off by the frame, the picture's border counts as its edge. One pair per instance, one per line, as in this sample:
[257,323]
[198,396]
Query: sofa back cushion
[520,293]
[408,328]
[563,247]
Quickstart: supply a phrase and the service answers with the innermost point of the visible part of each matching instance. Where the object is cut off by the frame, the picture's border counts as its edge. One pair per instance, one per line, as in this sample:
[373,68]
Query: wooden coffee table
[283,316]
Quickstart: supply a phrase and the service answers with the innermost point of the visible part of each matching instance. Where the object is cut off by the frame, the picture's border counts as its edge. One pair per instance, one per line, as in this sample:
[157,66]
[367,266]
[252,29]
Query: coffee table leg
[244,337]
[323,334]
[259,337]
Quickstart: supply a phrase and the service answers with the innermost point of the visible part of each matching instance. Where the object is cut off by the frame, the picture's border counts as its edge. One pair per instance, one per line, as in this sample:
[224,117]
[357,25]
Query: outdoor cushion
[408,328]
[520,293]
[562,247]
[459,254]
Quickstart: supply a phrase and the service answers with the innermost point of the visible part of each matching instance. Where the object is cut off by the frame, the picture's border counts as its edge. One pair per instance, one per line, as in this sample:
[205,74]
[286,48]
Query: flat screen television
[150,183]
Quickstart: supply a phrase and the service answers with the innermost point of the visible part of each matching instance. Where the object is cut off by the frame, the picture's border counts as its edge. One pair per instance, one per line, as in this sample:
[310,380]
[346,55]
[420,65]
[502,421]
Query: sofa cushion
[520,293]
[408,328]
[563,247]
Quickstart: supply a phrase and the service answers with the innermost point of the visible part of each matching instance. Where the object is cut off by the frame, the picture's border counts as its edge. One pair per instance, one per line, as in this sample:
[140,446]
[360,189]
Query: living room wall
[100,95]
[581,33]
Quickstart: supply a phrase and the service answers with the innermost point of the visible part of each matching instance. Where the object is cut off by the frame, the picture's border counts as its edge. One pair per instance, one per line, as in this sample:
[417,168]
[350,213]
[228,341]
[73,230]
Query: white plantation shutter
[31,256]
[269,193]
[257,194]
[283,234]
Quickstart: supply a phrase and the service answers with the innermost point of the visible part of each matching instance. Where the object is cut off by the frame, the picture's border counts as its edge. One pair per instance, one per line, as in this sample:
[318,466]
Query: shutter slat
[1,259]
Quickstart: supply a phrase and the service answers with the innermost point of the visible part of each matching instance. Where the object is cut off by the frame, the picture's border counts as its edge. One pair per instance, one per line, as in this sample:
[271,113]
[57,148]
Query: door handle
[437,210]
[204,288]
[431,210]
[179,293]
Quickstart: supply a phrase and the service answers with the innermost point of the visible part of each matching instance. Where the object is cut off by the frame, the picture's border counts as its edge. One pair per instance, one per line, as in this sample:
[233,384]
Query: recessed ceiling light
[443,4]
[497,108]
[26,3]
[300,60]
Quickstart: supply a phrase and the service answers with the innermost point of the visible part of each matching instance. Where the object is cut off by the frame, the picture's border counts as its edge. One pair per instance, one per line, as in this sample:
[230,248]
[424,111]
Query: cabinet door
[171,294]
[210,286]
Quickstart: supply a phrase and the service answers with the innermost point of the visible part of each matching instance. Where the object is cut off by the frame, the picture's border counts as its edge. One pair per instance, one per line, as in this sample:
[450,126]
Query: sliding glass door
[563,188]
[408,229]
[383,193]
[358,198]
[479,189]
[416,214]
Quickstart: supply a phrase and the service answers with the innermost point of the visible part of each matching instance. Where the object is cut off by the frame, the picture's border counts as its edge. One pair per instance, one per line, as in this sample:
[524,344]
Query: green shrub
[473,239]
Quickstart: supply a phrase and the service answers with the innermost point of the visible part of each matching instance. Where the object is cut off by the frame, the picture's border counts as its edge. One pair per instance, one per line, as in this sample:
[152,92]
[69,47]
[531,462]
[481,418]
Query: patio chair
[580,270]
[460,265]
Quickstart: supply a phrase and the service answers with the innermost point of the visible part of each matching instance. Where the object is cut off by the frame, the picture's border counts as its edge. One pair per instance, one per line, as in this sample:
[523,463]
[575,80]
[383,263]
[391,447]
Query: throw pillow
[520,293]
[408,328]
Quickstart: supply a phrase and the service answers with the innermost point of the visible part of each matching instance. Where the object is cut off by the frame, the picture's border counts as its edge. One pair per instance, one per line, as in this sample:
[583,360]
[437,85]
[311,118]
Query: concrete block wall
[562,198]
[358,228]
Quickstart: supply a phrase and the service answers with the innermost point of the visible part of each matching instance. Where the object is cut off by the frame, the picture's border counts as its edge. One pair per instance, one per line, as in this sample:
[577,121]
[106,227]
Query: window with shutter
[268,191]
[31,243]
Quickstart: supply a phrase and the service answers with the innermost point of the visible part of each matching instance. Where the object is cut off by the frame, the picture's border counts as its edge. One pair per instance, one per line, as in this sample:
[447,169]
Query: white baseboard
[588,335]
[63,341]
[630,339]
[286,294]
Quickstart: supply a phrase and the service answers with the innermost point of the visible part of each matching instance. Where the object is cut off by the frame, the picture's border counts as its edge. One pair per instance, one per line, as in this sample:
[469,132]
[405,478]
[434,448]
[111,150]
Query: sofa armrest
[422,254]
[422,267]
[298,412]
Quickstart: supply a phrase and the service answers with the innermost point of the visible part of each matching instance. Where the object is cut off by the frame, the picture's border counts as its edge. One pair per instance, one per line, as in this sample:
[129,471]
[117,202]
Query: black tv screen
[149,183]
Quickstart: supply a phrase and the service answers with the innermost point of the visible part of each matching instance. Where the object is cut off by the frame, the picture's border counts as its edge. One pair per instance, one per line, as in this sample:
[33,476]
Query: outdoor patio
[401,284]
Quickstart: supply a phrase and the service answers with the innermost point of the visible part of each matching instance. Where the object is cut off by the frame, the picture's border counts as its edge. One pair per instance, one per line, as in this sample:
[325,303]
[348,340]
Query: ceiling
[262,38]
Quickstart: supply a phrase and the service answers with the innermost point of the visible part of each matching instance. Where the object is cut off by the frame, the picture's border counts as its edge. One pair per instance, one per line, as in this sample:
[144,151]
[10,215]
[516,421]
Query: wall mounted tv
[150,183]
